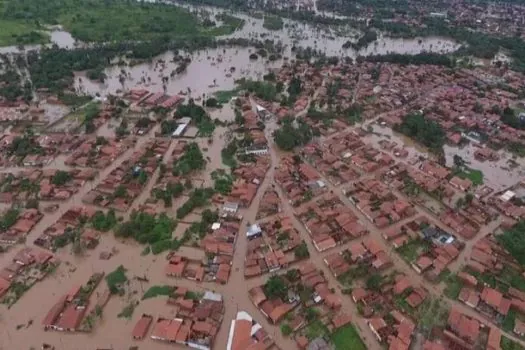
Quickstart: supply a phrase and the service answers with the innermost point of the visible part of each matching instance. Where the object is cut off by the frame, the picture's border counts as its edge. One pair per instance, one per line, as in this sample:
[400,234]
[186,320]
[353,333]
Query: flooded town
[307,174]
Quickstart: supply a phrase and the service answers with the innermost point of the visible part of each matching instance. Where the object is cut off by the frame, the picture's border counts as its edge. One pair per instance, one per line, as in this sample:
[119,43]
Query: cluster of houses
[275,308]
[377,203]
[69,312]
[196,321]
[215,262]
[349,148]
[73,219]
[39,152]
[54,184]
[432,178]
[25,221]
[329,221]
[95,152]
[28,266]
[126,182]
[248,177]
[367,254]
[466,332]
[381,306]
[335,170]
[271,246]
[489,258]
[309,302]
[142,99]
[442,250]
[299,181]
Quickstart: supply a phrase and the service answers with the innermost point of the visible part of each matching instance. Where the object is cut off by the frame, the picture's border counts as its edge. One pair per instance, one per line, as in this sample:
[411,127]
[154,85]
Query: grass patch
[130,21]
[193,295]
[508,344]
[512,277]
[273,23]
[347,279]
[224,96]
[453,287]
[156,291]
[474,175]
[431,314]
[410,251]
[104,21]
[347,335]
[13,32]
[509,321]
[316,329]
[128,310]
[401,303]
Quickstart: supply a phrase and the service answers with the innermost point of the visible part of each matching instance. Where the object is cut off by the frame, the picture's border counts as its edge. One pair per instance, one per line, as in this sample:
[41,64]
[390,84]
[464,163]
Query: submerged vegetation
[103,21]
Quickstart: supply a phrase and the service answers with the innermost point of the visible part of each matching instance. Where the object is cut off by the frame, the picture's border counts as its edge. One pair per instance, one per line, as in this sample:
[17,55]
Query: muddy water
[58,37]
[208,72]
[210,69]
[493,174]
[112,332]
[414,149]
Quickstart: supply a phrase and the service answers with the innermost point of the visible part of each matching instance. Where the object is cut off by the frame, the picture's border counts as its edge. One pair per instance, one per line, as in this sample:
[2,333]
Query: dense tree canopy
[275,287]
[191,160]
[423,130]
[288,136]
[513,240]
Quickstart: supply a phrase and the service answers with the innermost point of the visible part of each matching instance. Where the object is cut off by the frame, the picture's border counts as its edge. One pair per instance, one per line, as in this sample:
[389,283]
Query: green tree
[61,178]
[286,330]
[301,251]
[120,192]
[275,287]
[374,282]
[513,240]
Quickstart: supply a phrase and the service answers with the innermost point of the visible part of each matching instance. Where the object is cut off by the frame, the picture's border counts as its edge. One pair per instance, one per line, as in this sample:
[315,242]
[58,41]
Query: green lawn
[474,175]
[14,32]
[155,291]
[411,250]
[509,321]
[224,96]
[453,287]
[508,344]
[273,23]
[316,329]
[347,338]
[103,21]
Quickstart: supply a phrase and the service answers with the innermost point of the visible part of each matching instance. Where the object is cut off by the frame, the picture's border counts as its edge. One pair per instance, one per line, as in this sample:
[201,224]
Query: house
[519,327]
[462,329]
[70,318]
[377,325]
[494,340]
[141,328]
[462,184]
[246,334]
[166,330]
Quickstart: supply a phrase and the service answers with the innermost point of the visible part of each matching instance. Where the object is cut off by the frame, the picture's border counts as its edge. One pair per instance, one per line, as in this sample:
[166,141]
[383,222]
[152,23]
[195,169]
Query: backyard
[410,251]
[474,175]
[346,336]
